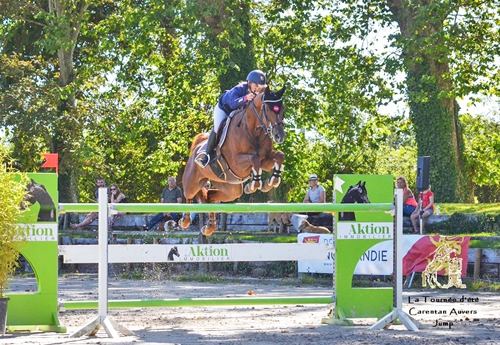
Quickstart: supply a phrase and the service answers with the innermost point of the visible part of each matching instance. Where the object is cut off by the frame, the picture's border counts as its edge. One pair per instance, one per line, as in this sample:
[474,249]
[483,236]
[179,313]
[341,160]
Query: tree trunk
[67,126]
[433,113]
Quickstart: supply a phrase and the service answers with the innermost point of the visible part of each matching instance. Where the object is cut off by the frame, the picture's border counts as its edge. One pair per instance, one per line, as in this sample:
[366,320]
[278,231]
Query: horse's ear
[364,182]
[281,92]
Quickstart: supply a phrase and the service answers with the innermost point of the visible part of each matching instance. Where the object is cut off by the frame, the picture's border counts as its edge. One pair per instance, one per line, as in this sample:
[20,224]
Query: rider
[230,100]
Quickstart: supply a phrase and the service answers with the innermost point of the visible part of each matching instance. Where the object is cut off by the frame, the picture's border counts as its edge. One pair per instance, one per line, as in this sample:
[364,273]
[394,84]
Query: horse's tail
[197,140]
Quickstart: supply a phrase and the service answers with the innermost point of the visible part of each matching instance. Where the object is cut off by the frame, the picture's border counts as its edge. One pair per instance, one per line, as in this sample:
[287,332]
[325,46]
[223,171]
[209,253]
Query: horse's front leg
[275,163]
[211,226]
[256,181]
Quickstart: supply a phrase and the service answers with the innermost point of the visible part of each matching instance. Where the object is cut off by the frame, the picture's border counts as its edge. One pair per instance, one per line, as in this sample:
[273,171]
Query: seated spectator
[426,212]
[409,201]
[116,197]
[93,215]
[171,194]
[315,194]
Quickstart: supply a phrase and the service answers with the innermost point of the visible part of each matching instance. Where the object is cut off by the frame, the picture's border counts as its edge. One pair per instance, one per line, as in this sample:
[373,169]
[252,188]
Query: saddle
[218,163]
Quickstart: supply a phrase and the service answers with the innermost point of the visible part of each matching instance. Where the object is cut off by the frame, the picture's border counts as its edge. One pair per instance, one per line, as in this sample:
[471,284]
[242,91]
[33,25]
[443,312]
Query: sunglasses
[113,188]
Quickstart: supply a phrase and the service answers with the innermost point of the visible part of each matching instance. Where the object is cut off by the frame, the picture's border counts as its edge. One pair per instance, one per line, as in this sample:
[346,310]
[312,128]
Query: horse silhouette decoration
[355,194]
[37,193]
[246,151]
[172,252]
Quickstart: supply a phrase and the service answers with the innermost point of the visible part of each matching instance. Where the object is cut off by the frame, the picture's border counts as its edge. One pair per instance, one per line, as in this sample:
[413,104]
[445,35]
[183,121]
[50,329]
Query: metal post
[420,209]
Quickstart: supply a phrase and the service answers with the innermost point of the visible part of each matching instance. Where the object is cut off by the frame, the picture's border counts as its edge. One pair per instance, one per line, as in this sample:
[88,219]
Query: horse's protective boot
[203,157]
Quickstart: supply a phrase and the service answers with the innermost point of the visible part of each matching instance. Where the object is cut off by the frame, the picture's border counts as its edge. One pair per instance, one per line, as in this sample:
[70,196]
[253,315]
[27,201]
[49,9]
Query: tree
[482,149]
[54,28]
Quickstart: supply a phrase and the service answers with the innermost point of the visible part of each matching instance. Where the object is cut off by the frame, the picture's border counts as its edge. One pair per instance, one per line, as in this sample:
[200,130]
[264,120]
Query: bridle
[263,114]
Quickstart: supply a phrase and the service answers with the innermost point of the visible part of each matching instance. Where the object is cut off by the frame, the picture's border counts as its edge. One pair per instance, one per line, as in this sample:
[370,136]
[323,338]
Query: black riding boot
[204,157]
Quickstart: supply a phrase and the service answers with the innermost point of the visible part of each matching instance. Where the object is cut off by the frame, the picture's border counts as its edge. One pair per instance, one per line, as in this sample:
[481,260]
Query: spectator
[409,202]
[427,210]
[93,215]
[170,195]
[315,194]
[116,197]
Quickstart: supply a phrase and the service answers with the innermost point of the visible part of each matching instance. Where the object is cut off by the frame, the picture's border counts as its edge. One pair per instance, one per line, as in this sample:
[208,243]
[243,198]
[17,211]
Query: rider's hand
[250,97]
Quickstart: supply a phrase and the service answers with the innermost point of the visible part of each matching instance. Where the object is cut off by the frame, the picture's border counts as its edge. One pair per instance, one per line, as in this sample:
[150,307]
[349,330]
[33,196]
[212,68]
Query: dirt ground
[273,324]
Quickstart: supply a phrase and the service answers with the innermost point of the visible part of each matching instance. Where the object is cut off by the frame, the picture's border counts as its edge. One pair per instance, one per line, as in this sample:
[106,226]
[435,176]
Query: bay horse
[245,152]
[355,194]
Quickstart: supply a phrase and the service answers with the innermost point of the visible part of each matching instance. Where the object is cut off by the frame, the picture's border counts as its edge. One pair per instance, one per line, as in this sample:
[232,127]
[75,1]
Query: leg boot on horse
[203,157]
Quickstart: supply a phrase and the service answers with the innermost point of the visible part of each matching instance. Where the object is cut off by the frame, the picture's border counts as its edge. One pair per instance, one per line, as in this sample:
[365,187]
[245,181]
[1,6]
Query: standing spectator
[116,197]
[170,195]
[427,209]
[409,201]
[93,215]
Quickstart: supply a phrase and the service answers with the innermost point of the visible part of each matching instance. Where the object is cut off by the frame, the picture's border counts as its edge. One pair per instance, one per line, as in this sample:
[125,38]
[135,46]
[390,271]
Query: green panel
[361,302]
[39,310]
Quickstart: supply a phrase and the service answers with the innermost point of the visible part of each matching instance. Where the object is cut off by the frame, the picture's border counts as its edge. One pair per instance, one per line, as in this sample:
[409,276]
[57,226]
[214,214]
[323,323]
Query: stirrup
[200,156]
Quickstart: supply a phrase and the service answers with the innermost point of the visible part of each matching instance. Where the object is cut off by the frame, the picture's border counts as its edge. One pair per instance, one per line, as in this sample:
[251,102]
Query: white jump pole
[397,312]
[110,326]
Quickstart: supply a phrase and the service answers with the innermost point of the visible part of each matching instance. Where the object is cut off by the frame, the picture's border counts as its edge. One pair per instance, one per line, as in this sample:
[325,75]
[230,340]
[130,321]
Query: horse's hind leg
[185,221]
[211,226]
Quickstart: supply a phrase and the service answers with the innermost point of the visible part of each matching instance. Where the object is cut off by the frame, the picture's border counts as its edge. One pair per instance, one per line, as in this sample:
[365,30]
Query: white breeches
[219,116]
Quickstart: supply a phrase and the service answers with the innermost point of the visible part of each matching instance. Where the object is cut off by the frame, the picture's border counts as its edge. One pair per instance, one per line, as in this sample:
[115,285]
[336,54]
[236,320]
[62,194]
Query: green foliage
[478,208]
[12,236]
[459,223]
[482,285]
[482,148]
[139,80]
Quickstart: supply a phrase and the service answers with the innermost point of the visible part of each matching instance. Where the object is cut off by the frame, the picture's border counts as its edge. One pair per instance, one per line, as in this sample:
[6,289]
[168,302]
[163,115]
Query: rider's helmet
[257,76]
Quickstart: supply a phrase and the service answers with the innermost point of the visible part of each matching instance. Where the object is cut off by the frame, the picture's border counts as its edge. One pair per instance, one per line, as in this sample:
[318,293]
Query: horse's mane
[197,140]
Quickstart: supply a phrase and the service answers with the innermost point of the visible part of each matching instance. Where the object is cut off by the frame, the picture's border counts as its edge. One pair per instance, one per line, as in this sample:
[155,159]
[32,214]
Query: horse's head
[175,251]
[357,193]
[273,113]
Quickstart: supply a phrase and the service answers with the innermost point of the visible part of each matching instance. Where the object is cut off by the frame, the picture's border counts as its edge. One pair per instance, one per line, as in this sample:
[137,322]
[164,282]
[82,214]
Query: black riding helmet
[257,76]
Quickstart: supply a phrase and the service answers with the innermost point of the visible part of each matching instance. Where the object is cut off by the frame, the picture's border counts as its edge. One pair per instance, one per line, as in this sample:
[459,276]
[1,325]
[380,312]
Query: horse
[37,193]
[355,194]
[172,252]
[244,153]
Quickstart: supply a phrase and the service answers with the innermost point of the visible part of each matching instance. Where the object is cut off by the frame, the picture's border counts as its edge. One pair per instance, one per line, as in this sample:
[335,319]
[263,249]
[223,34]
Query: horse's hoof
[184,223]
[205,230]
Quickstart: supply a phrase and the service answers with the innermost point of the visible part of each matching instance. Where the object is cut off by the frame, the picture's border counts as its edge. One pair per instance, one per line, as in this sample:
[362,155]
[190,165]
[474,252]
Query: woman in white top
[316,192]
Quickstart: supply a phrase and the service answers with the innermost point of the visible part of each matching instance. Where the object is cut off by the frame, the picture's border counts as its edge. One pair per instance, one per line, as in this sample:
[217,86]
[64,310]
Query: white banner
[377,260]
[364,231]
[41,232]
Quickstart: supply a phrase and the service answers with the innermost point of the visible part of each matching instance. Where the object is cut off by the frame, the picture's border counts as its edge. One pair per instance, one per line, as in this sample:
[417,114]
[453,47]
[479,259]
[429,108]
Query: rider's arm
[236,97]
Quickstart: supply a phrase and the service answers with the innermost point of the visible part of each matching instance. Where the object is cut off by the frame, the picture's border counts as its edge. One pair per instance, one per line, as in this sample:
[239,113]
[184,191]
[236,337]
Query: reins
[267,130]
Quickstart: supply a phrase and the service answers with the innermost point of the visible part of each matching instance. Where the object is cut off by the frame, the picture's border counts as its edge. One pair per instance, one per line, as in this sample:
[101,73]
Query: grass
[470,208]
